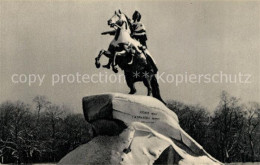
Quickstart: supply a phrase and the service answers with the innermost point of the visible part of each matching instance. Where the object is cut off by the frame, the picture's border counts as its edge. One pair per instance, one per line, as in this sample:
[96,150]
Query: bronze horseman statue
[129,51]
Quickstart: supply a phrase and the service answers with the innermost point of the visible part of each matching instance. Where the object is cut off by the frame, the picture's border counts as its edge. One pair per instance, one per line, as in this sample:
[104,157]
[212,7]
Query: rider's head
[136,16]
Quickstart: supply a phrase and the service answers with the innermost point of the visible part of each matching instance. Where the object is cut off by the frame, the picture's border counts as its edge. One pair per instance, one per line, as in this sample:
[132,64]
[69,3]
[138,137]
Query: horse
[122,26]
[136,68]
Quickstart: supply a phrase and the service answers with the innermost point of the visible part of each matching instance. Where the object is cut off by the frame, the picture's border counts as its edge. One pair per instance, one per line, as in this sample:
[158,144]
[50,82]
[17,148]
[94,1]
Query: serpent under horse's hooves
[139,70]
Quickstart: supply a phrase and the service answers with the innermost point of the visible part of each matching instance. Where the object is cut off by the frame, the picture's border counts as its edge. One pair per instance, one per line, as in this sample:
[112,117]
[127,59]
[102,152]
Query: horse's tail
[156,90]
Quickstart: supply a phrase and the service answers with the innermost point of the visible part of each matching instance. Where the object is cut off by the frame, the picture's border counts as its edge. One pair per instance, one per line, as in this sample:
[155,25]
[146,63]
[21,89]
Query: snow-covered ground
[240,163]
[237,163]
[36,164]
[44,164]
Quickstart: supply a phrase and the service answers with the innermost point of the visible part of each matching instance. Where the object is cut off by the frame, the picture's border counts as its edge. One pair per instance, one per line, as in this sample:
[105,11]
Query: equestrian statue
[129,51]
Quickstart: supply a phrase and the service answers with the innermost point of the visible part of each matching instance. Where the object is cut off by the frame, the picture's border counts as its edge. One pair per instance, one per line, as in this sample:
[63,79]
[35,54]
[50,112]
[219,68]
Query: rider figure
[138,29]
[139,33]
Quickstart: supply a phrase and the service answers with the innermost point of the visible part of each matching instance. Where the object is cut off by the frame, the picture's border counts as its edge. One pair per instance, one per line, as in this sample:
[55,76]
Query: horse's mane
[129,23]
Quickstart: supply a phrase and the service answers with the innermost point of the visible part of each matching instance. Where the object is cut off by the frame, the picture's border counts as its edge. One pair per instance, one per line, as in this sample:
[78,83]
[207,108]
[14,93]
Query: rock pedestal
[132,129]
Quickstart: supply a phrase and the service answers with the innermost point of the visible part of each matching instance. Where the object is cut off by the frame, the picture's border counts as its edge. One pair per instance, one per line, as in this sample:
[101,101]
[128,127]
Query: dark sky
[47,37]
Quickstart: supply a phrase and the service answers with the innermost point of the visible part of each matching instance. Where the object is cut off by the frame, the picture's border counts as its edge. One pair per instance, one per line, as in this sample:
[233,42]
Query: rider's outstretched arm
[113,32]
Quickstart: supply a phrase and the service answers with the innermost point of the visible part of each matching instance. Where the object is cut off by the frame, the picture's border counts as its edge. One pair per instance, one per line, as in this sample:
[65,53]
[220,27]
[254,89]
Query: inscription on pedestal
[146,117]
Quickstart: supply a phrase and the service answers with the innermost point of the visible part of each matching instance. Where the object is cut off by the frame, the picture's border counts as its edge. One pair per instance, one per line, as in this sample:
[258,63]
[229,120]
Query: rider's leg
[143,43]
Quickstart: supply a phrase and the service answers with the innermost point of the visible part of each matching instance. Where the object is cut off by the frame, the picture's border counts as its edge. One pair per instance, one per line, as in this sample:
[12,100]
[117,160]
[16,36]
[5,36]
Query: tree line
[45,132]
[230,134]
[40,132]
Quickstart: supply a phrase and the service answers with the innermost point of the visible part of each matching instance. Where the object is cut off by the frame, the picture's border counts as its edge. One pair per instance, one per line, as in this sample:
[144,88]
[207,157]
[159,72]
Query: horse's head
[119,19]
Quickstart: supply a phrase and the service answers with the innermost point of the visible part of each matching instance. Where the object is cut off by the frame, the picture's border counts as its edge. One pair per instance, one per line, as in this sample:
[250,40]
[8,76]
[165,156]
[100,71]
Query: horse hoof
[97,63]
[115,70]
[149,93]
[106,66]
[132,92]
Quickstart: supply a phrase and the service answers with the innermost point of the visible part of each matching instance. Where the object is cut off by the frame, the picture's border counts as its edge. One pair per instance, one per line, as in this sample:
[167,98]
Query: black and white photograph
[130,82]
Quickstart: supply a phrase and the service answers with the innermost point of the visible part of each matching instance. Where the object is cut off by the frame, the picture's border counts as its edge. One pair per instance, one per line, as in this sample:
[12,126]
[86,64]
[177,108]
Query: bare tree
[17,120]
[23,141]
[41,103]
[193,119]
[6,110]
[227,124]
[54,115]
[252,126]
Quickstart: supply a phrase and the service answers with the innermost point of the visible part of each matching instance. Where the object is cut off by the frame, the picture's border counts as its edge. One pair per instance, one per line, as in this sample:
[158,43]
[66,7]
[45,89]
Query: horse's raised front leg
[109,55]
[97,63]
[114,60]
[114,63]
